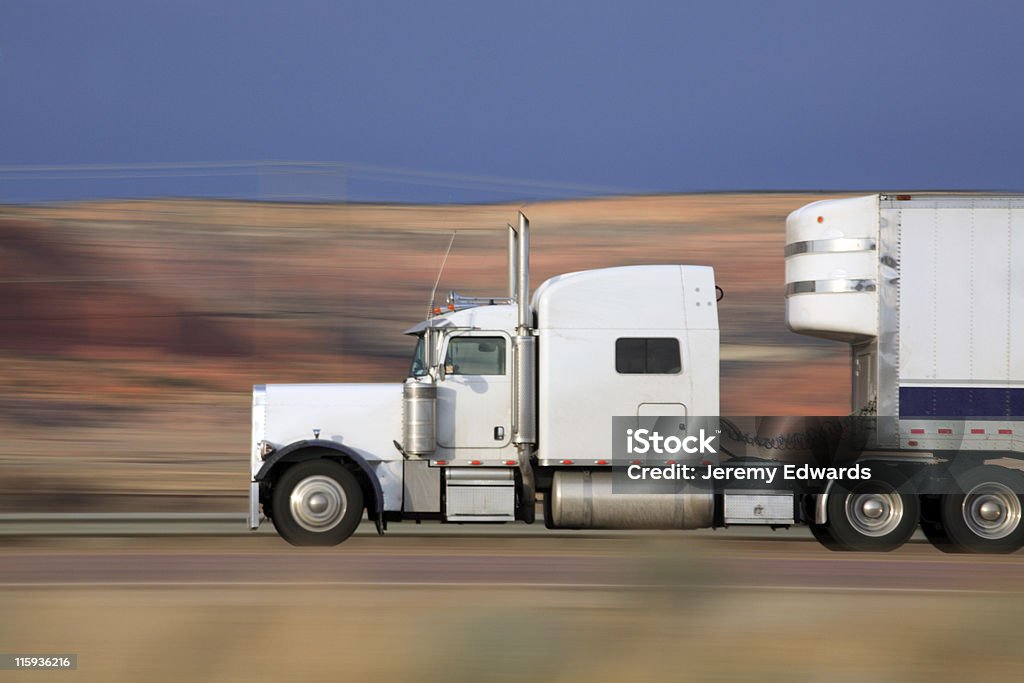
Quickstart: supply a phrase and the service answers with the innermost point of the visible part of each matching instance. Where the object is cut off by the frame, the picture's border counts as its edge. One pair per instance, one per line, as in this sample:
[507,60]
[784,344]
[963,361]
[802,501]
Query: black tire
[984,516]
[548,515]
[874,515]
[327,508]
[932,526]
[820,532]
[823,535]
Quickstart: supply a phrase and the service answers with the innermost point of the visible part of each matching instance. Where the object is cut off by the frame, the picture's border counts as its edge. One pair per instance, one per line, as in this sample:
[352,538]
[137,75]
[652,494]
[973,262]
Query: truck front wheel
[876,515]
[317,502]
[985,517]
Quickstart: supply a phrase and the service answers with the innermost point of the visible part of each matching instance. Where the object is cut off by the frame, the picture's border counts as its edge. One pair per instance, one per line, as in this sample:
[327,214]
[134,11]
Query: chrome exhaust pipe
[523,268]
[513,262]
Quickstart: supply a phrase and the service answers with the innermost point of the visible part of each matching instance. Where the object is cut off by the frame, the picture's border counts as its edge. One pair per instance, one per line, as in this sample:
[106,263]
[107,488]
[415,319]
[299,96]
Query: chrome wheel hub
[872,508]
[318,503]
[992,510]
[876,513]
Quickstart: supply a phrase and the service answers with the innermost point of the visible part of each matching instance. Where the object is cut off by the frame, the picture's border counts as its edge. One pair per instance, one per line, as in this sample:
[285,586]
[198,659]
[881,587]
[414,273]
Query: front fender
[294,453]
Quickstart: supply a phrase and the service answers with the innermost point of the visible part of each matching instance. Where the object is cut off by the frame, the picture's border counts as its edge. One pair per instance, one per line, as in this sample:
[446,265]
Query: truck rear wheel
[877,515]
[823,535]
[317,502]
[985,517]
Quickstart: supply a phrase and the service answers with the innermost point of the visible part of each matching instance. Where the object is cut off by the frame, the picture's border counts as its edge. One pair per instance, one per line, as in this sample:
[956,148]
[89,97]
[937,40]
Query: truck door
[474,400]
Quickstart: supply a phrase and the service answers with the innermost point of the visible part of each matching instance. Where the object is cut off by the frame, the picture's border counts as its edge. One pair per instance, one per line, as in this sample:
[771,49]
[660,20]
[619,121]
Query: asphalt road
[510,556]
[182,601]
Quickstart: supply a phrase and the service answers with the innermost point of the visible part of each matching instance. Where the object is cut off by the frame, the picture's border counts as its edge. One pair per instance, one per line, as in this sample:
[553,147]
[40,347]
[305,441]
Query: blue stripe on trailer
[977,402]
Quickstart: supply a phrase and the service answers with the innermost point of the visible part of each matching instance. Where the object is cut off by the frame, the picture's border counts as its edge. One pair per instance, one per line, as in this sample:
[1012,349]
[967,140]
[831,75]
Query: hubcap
[318,503]
[992,510]
[873,508]
[876,513]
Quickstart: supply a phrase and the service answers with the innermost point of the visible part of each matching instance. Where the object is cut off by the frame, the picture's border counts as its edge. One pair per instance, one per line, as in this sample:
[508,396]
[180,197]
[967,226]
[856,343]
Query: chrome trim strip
[830,286]
[890,223]
[254,506]
[964,383]
[838,244]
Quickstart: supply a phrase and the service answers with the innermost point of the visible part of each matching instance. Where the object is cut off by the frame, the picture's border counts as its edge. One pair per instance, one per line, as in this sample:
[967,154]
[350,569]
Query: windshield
[419,364]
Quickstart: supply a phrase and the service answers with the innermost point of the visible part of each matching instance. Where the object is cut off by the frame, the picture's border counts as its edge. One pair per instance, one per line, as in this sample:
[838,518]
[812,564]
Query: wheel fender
[293,453]
[821,504]
[821,500]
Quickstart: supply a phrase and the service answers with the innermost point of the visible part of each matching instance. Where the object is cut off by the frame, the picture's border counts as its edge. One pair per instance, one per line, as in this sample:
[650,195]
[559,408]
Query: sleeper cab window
[647,356]
[475,356]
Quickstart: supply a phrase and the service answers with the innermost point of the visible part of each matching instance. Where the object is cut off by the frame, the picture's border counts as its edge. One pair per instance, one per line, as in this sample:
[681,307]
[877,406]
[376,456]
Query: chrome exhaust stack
[524,363]
[523,275]
[513,263]
[524,344]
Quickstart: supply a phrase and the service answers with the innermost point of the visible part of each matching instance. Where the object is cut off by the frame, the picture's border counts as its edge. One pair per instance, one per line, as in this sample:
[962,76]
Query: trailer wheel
[985,517]
[317,502]
[878,515]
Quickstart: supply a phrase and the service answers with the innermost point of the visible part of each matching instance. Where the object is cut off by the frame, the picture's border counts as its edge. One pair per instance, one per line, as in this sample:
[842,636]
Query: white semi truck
[511,399]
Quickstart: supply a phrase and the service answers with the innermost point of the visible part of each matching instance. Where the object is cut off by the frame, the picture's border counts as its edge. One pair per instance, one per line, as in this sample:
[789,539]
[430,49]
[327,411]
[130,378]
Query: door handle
[499,433]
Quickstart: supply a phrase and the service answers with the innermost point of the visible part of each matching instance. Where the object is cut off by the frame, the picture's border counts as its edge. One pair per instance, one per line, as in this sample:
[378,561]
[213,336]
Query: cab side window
[475,356]
[647,356]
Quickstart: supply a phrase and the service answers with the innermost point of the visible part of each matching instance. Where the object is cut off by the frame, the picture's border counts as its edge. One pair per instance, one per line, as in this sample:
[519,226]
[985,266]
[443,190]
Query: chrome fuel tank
[585,500]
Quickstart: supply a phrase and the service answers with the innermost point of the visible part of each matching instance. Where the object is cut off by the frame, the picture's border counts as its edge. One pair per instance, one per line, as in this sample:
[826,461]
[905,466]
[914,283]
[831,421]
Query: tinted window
[419,365]
[655,355]
[475,356]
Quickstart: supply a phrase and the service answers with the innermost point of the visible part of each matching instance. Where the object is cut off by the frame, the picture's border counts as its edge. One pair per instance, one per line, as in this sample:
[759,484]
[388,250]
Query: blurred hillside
[133,330]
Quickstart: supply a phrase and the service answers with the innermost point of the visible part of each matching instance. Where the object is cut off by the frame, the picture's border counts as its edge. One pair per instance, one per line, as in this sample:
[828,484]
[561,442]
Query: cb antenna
[433,292]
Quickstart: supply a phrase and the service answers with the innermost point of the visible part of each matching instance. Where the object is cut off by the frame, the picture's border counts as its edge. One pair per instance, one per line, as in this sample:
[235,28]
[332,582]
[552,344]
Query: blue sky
[579,97]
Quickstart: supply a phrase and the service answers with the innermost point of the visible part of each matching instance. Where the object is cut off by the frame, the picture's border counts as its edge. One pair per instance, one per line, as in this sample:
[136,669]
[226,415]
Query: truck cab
[504,395]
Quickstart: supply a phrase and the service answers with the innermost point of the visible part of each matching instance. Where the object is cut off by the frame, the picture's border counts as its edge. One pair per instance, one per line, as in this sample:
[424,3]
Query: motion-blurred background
[159,255]
[133,331]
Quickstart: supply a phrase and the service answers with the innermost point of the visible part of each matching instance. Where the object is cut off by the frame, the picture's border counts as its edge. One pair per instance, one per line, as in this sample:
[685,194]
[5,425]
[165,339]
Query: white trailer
[513,396]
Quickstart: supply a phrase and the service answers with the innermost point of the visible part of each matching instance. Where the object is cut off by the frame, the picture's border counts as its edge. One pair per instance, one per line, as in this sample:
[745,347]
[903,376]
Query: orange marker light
[821,219]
